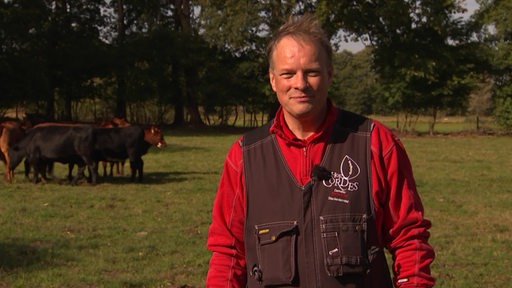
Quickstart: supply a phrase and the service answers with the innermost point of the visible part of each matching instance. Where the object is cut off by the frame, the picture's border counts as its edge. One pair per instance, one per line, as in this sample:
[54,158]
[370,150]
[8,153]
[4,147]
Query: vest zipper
[316,248]
[304,174]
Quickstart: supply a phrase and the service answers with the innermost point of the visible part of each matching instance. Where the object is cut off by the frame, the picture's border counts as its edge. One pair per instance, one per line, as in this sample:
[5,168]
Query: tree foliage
[355,84]
[194,61]
[494,18]
[418,49]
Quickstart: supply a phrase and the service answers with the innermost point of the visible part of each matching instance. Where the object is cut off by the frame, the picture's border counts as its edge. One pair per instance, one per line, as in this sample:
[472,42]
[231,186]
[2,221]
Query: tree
[415,49]
[53,47]
[493,17]
[22,61]
[355,85]
[187,71]
[245,36]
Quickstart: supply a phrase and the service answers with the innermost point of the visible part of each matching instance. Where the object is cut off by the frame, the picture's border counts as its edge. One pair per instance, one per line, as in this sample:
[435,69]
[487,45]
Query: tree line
[203,62]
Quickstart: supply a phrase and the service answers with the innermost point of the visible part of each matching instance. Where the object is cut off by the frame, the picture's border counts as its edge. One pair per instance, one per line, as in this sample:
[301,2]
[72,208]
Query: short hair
[302,28]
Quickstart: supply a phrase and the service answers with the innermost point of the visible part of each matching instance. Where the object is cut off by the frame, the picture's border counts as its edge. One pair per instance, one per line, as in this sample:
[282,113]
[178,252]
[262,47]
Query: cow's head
[154,136]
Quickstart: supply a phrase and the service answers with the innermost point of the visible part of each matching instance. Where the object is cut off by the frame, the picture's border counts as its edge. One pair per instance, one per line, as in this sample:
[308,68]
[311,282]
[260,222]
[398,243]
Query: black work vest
[321,234]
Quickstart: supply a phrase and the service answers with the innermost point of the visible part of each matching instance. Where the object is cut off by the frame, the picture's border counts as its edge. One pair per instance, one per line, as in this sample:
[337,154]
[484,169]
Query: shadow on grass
[20,254]
[154,177]
[158,177]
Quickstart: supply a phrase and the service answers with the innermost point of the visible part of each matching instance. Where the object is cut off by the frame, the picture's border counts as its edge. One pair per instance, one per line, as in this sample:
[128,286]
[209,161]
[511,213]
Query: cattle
[46,167]
[64,144]
[11,131]
[119,165]
[85,146]
[114,122]
[131,142]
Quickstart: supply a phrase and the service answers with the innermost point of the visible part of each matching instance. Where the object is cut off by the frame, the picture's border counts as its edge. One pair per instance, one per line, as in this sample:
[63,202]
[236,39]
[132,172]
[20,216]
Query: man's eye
[287,75]
[313,74]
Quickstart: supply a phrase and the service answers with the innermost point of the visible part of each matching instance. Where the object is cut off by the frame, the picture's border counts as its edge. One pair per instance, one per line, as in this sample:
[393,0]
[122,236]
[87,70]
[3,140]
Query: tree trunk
[433,122]
[68,96]
[183,25]
[50,107]
[121,65]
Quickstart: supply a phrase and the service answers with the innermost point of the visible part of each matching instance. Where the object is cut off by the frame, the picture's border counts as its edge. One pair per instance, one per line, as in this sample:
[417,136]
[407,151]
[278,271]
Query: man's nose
[301,81]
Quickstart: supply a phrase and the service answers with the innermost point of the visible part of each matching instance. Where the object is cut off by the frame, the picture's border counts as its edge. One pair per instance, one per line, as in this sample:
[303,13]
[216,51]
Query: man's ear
[272,78]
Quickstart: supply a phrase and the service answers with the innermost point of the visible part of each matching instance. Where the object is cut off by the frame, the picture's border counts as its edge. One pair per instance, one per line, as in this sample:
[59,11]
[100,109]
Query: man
[313,197]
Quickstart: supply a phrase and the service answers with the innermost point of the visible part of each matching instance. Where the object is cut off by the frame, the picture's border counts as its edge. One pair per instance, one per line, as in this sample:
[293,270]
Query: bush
[504,113]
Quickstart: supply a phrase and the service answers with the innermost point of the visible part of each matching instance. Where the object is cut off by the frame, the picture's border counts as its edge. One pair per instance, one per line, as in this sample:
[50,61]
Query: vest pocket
[344,244]
[276,252]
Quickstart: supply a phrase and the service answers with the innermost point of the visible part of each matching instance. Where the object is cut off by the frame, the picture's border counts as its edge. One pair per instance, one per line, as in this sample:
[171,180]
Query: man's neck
[303,128]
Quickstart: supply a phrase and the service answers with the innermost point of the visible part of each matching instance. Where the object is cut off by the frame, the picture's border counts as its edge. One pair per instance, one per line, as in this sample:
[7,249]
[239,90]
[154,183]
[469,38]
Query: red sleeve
[226,232]
[399,211]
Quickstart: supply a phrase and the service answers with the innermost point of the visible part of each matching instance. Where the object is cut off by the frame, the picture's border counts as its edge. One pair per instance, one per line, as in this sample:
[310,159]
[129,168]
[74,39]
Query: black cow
[131,142]
[64,144]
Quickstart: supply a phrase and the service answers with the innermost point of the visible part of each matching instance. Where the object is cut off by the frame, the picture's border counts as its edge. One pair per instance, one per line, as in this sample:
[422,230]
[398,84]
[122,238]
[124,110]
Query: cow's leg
[122,167]
[136,166]
[49,169]
[43,167]
[8,173]
[11,175]
[79,174]
[93,171]
[36,165]
[27,169]
[141,170]
[117,165]
[6,162]
[111,170]
[6,170]
[104,165]
[92,168]
[71,165]
[133,169]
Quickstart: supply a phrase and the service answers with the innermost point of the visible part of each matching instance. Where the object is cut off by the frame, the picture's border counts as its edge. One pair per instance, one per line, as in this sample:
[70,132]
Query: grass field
[120,234]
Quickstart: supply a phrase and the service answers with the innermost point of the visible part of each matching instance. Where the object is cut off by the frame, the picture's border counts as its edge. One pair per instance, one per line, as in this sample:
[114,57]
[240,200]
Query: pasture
[122,234]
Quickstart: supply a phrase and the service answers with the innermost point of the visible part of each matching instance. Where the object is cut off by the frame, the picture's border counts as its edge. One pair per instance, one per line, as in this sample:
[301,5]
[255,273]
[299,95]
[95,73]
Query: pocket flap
[271,232]
[343,223]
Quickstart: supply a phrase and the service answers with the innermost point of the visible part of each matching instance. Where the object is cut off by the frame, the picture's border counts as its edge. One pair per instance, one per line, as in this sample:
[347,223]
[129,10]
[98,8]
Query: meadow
[153,234]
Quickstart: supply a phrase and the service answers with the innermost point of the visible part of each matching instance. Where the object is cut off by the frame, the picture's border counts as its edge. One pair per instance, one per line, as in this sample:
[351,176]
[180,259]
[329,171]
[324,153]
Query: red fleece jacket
[402,229]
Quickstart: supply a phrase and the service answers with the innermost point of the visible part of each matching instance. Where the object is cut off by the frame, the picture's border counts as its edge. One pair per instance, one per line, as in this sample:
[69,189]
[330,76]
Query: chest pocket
[344,244]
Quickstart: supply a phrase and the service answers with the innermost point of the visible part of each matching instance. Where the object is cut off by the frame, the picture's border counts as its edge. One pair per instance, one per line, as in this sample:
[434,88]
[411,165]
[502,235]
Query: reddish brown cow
[11,132]
[115,122]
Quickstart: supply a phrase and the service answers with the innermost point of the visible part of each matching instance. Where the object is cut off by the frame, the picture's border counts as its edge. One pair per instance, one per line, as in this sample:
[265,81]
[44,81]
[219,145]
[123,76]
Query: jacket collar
[281,130]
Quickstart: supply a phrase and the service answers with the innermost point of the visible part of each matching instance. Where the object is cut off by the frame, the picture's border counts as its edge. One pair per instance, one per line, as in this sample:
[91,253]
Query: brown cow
[11,132]
[115,122]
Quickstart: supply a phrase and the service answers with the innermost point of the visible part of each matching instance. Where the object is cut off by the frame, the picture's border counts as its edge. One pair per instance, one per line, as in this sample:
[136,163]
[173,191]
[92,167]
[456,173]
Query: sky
[470,5]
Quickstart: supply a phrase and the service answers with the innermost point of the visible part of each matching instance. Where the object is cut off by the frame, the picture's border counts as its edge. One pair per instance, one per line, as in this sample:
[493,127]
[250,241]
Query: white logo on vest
[343,181]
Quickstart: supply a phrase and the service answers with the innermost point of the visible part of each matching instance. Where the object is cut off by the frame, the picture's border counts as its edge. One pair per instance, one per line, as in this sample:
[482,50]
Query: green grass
[465,183]
[122,234]
[445,125]
[117,233]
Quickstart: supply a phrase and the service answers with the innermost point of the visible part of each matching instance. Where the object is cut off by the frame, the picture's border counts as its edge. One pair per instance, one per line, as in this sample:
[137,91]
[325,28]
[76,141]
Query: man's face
[300,76]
